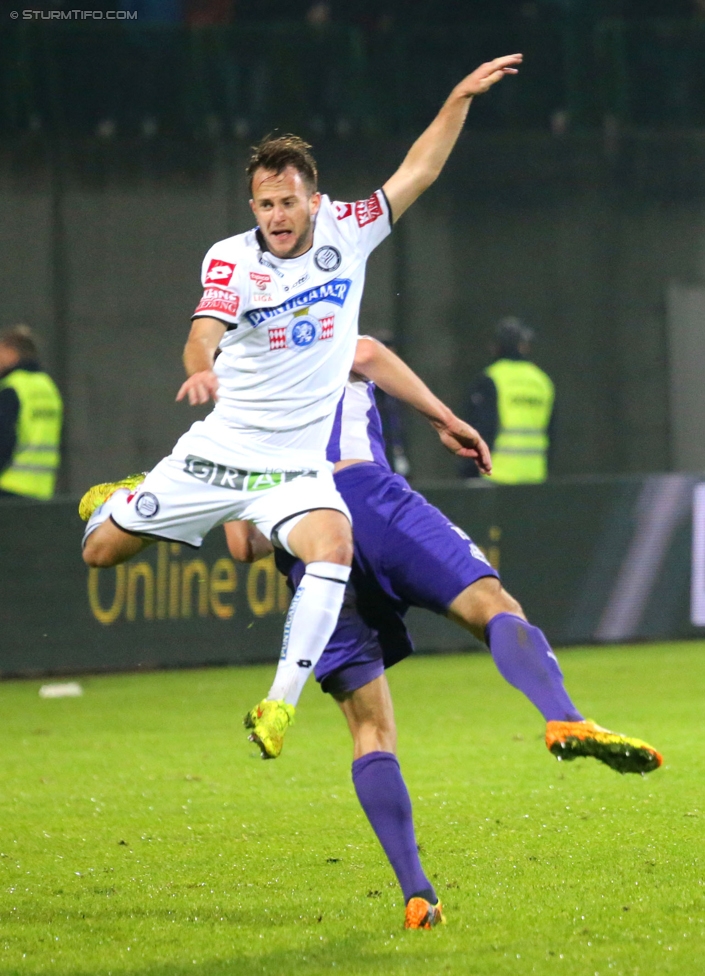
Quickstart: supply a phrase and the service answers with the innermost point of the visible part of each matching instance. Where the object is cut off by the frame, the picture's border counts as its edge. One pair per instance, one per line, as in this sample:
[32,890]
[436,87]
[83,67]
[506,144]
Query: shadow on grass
[357,953]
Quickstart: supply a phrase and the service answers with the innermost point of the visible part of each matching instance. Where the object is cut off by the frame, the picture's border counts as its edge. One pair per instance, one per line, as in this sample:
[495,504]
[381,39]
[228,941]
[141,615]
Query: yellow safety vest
[35,460]
[525,397]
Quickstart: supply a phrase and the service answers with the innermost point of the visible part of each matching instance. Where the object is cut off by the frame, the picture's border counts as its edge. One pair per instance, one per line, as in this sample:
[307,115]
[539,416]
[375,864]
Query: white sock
[102,514]
[309,626]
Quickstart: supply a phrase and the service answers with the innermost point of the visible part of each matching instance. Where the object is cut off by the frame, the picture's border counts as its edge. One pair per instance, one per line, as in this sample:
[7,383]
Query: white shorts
[183,498]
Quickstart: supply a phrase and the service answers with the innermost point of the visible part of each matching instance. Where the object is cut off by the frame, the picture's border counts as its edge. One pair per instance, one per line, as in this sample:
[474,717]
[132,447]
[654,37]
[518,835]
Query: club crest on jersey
[327,258]
[147,504]
[335,292]
[219,272]
[301,332]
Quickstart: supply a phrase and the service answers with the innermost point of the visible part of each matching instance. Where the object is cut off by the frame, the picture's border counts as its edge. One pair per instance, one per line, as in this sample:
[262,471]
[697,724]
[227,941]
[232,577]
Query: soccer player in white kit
[281,303]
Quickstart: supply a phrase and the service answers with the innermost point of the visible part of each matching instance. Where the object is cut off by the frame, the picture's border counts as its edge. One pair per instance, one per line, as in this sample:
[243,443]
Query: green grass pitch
[139,834]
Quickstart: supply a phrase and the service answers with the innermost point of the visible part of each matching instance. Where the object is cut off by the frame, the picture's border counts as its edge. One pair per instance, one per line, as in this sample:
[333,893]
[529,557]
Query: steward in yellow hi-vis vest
[31,414]
[511,405]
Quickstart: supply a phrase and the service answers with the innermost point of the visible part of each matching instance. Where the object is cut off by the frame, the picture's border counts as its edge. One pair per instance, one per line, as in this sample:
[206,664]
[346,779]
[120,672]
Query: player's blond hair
[276,153]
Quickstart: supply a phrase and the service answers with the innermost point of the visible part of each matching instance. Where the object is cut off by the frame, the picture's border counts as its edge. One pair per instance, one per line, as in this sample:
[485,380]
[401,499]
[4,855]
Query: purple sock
[524,658]
[385,799]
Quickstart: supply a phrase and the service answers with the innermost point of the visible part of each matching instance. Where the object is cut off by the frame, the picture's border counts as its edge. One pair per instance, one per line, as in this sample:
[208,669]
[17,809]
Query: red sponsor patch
[327,324]
[343,210]
[219,272]
[215,300]
[261,280]
[277,337]
[367,211]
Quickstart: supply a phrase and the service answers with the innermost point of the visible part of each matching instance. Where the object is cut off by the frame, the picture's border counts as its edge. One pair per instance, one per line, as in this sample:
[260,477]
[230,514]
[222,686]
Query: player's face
[284,209]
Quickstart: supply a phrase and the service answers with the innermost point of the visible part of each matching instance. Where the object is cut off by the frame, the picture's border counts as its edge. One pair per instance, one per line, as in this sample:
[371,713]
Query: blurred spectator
[318,14]
[30,419]
[511,404]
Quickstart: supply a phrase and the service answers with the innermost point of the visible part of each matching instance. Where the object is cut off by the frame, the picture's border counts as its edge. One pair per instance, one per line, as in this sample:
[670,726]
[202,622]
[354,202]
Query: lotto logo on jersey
[343,210]
[219,273]
[261,280]
[216,300]
[367,211]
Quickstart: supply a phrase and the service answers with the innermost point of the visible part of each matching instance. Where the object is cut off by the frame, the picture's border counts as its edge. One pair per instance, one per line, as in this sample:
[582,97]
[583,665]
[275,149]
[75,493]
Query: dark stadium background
[575,198]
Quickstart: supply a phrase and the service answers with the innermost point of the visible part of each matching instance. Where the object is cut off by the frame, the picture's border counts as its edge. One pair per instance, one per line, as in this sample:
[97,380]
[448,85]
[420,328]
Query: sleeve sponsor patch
[216,300]
[367,211]
[219,273]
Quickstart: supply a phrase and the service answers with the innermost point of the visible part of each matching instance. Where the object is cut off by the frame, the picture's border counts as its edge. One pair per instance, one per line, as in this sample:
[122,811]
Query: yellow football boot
[269,721]
[99,494]
[568,740]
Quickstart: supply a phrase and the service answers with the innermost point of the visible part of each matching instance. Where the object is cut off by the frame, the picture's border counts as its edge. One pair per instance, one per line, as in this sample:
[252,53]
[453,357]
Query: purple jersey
[407,553]
[357,428]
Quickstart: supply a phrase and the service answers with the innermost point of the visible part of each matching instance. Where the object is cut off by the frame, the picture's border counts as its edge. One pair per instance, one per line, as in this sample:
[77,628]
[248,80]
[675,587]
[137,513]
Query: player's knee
[97,555]
[339,551]
[336,546]
[507,604]
[480,602]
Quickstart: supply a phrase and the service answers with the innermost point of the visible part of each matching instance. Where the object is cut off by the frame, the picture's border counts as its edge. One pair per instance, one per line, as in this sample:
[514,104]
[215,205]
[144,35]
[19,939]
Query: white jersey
[291,322]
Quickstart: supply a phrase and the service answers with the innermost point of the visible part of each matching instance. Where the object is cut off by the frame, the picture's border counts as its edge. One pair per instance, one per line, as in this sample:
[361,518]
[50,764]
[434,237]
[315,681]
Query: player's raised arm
[199,354]
[390,373]
[428,155]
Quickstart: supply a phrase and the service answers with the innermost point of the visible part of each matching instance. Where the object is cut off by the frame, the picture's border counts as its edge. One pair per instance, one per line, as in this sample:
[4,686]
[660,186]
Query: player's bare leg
[322,539]
[322,536]
[524,658]
[104,543]
[480,602]
[384,797]
[370,716]
[109,545]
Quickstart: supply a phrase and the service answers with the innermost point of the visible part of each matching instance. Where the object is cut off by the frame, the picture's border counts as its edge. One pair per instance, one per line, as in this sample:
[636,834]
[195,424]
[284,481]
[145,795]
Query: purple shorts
[407,553]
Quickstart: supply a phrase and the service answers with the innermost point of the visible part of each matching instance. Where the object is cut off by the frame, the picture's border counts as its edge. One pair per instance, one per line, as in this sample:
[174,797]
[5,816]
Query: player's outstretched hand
[199,388]
[464,441]
[489,74]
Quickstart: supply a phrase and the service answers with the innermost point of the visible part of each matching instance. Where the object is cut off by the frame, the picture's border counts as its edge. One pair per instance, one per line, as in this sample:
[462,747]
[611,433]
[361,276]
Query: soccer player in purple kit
[408,554]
